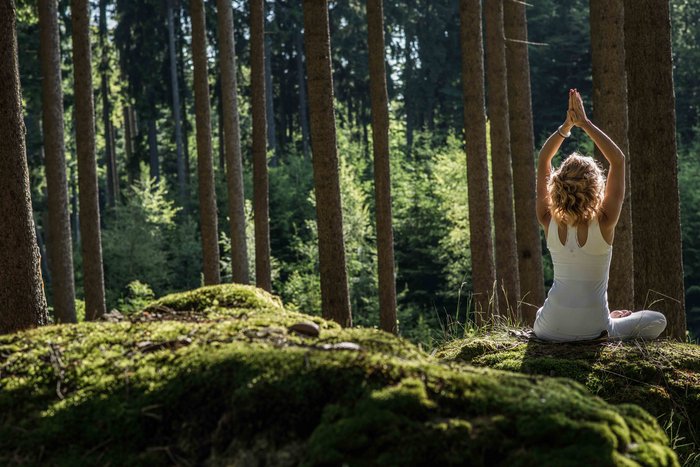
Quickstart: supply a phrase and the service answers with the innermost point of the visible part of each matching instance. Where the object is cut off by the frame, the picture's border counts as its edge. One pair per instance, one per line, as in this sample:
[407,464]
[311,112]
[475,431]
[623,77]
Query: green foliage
[136,239]
[137,297]
[216,376]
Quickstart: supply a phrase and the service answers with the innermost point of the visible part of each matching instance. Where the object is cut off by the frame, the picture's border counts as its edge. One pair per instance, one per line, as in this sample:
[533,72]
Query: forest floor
[225,375]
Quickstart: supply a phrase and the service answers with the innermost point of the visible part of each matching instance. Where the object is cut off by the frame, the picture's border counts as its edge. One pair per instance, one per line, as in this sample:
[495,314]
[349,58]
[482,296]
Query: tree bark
[153,149]
[382,173]
[110,187]
[269,101]
[93,275]
[335,299]
[507,275]
[258,110]
[303,115]
[232,142]
[174,84]
[658,262]
[60,248]
[522,147]
[483,271]
[205,170]
[610,112]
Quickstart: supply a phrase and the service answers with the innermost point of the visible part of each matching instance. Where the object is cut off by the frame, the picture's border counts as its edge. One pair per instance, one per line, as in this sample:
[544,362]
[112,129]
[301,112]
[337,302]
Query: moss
[661,376]
[215,376]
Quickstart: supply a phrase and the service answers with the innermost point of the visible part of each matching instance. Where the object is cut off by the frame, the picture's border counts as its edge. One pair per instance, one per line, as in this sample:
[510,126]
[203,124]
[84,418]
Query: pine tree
[232,142]
[60,247]
[508,280]
[205,169]
[93,275]
[258,110]
[658,262]
[382,176]
[522,148]
[335,301]
[21,288]
[481,244]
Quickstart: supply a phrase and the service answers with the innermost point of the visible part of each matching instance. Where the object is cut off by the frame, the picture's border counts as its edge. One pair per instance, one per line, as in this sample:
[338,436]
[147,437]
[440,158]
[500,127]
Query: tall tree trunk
[93,278]
[174,84]
[205,170]
[115,168]
[132,174]
[220,135]
[185,123]
[335,299]
[258,111]
[232,141]
[508,287]
[522,148]
[658,262]
[74,207]
[153,149]
[106,107]
[382,175]
[60,248]
[483,270]
[303,116]
[21,288]
[407,104]
[610,112]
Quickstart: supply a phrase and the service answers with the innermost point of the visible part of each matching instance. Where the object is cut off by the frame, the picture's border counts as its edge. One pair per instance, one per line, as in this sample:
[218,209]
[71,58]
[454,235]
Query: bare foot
[620,313]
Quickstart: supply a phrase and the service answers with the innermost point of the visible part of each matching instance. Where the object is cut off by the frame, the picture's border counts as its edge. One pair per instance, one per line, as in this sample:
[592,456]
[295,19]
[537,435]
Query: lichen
[215,376]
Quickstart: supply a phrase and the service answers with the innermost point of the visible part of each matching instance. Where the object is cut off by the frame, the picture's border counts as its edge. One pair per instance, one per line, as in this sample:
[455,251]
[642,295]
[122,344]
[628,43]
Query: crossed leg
[644,324]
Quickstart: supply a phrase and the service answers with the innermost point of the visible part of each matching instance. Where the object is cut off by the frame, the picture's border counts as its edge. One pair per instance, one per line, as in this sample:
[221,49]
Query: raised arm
[544,164]
[615,185]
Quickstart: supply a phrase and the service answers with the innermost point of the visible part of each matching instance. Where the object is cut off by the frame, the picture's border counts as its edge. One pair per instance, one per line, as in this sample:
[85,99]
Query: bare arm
[544,166]
[615,186]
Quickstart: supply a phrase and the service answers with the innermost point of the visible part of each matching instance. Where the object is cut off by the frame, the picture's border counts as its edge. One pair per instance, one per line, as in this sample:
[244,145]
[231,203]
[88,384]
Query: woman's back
[577,304]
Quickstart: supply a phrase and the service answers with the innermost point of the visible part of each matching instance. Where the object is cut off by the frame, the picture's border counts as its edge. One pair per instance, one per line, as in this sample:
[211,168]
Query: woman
[579,211]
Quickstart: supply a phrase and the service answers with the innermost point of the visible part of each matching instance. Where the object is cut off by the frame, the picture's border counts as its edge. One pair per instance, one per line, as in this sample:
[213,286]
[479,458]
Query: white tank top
[576,307]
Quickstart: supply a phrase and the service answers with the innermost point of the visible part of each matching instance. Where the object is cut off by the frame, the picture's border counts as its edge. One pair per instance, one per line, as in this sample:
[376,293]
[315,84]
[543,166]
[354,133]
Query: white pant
[644,324]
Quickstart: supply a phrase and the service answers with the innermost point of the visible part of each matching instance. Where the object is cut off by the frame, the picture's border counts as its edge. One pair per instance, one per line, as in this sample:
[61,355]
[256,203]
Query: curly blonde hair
[576,189]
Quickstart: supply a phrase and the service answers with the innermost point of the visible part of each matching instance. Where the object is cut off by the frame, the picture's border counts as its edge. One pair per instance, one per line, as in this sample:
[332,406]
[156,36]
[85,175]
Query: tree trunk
[507,276]
[93,278]
[153,149]
[129,143]
[106,108]
[181,183]
[60,248]
[205,170]
[382,176]
[232,141]
[483,271]
[658,262]
[269,102]
[522,148]
[303,116]
[258,111]
[335,299]
[610,112]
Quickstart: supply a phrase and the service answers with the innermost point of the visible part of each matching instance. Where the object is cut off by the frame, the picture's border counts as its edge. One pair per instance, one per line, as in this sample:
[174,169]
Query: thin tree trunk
[220,135]
[335,299]
[258,111]
[522,147]
[93,278]
[129,143]
[115,167]
[269,102]
[504,218]
[382,175]
[106,107]
[303,116]
[153,150]
[60,248]
[610,112]
[205,170]
[408,109]
[185,123]
[481,244]
[174,84]
[74,207]
[658,261]
[232,141]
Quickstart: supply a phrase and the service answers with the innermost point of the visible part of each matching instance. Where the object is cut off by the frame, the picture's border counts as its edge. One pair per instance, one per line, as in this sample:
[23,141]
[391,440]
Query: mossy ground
[216,377]
[661,376]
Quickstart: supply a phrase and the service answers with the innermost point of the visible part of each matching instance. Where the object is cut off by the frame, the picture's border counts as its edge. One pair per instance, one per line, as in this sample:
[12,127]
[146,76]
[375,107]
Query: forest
[170,211]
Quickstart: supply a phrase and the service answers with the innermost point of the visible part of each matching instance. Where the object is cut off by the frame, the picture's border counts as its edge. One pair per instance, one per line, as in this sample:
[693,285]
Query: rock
[306,328]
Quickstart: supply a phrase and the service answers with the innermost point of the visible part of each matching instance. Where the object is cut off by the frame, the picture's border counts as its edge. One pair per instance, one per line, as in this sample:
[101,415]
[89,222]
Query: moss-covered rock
[661,376]
[216,377]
